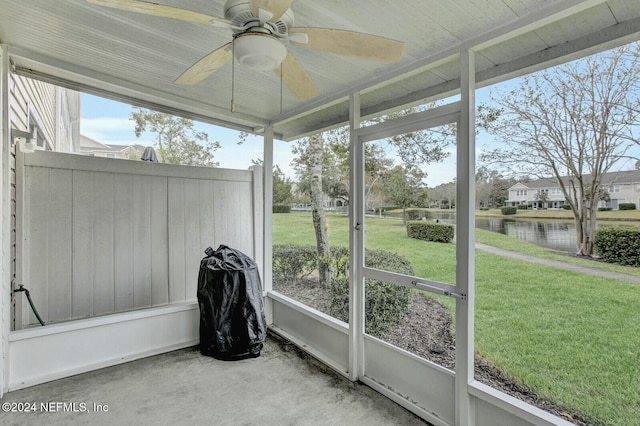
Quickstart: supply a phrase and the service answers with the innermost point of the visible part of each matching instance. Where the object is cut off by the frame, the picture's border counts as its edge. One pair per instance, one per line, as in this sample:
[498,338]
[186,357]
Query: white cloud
[120,131]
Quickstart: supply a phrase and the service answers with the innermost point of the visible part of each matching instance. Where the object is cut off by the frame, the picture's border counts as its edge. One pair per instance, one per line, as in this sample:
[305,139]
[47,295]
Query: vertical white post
[258,218]
[356,243]
[5,209]
[465,243]
[267,278]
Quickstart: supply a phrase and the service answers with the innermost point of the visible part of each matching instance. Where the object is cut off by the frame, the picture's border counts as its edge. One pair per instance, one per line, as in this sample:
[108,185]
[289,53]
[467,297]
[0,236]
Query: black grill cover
[232,321]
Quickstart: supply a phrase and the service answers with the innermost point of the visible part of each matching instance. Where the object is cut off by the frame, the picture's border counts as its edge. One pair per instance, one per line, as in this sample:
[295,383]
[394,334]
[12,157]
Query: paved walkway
[561,265]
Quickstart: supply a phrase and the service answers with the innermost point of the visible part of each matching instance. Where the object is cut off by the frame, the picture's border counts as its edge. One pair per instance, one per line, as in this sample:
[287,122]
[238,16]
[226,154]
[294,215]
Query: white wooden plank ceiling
[140,56]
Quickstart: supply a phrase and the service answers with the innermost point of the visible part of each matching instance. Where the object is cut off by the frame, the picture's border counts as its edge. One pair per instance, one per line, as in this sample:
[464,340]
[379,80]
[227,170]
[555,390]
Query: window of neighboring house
[556,191]
[614,189]
[111,155]
[40,139]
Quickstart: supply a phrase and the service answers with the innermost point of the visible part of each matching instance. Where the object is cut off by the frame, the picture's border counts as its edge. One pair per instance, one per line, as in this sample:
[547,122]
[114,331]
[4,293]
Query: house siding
[55,111]
[623,187]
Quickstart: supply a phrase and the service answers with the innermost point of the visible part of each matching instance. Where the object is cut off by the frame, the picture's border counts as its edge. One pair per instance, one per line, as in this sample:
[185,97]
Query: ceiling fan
[261,31]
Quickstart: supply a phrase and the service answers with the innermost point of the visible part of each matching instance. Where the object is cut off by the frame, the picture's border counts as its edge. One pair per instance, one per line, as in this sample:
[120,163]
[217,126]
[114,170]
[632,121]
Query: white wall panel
[82,244]
[59,234]
[123,239]
[141,241]
[103,247]
[104,236]
[176,216]
[159,242]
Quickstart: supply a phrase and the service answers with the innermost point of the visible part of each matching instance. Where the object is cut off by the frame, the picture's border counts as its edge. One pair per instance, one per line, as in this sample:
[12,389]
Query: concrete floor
[281,387]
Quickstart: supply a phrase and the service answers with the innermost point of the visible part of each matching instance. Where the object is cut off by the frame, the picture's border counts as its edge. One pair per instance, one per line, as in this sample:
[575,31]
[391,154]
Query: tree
[500,191]
[282,187]
[572,122]
[443,195]
[310,164]
[404,188]
[177,141]
[492,189]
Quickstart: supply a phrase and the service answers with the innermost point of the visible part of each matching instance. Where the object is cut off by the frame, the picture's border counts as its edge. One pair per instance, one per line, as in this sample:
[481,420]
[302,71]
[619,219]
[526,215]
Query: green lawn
[572,337]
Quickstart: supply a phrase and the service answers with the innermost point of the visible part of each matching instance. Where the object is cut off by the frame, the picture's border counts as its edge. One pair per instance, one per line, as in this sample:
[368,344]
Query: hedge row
[385,304]
[281,208]
[627,206]
[430,231]
[618,245]
[509,210]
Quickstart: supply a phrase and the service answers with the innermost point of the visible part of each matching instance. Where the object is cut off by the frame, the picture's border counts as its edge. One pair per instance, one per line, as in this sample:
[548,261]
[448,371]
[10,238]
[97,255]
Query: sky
[108,122]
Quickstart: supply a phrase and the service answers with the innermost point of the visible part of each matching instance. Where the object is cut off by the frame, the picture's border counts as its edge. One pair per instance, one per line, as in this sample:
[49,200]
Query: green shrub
[430,231]
[604,209]
[281,208]
[385,303]
[417,213]
[522,207]
[627,206]
[566,206]
[509,210]
[291,263]
[618,245]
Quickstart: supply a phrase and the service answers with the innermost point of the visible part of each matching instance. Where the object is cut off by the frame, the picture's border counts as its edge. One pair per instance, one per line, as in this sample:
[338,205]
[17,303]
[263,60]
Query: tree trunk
[317,209]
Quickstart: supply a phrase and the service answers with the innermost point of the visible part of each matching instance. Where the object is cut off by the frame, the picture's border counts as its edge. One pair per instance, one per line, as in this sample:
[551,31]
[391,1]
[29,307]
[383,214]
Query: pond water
[551,234]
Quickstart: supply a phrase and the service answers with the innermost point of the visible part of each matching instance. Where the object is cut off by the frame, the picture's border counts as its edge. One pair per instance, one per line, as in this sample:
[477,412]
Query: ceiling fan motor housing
[239,12]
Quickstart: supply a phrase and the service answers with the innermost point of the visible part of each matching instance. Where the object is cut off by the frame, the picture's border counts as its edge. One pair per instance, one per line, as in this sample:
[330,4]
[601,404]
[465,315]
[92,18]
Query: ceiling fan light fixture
[259,51]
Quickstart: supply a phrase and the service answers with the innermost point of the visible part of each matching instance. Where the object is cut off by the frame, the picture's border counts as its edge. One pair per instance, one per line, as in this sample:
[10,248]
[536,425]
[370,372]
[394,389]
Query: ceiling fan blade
[349,43]
[276,7]
[206,66]
[296,79]
[155,9]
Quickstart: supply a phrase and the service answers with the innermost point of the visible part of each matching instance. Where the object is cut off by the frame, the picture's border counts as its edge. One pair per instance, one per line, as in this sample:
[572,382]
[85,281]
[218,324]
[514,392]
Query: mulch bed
[426,332]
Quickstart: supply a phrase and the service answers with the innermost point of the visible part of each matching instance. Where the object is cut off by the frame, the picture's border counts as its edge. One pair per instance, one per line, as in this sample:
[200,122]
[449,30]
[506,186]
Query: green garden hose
[33,308]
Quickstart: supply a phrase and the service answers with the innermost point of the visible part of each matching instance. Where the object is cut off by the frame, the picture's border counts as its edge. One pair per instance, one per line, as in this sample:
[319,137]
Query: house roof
[134,57]
[92,145]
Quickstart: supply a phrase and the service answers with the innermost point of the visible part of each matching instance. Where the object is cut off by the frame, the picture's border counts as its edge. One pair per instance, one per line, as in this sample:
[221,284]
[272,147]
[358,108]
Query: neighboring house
[94,148]
[50,113]
[622,187]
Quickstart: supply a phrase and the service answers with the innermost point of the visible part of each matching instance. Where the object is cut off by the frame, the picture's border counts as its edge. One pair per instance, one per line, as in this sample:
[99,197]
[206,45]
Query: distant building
[623,187]
[94,148]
